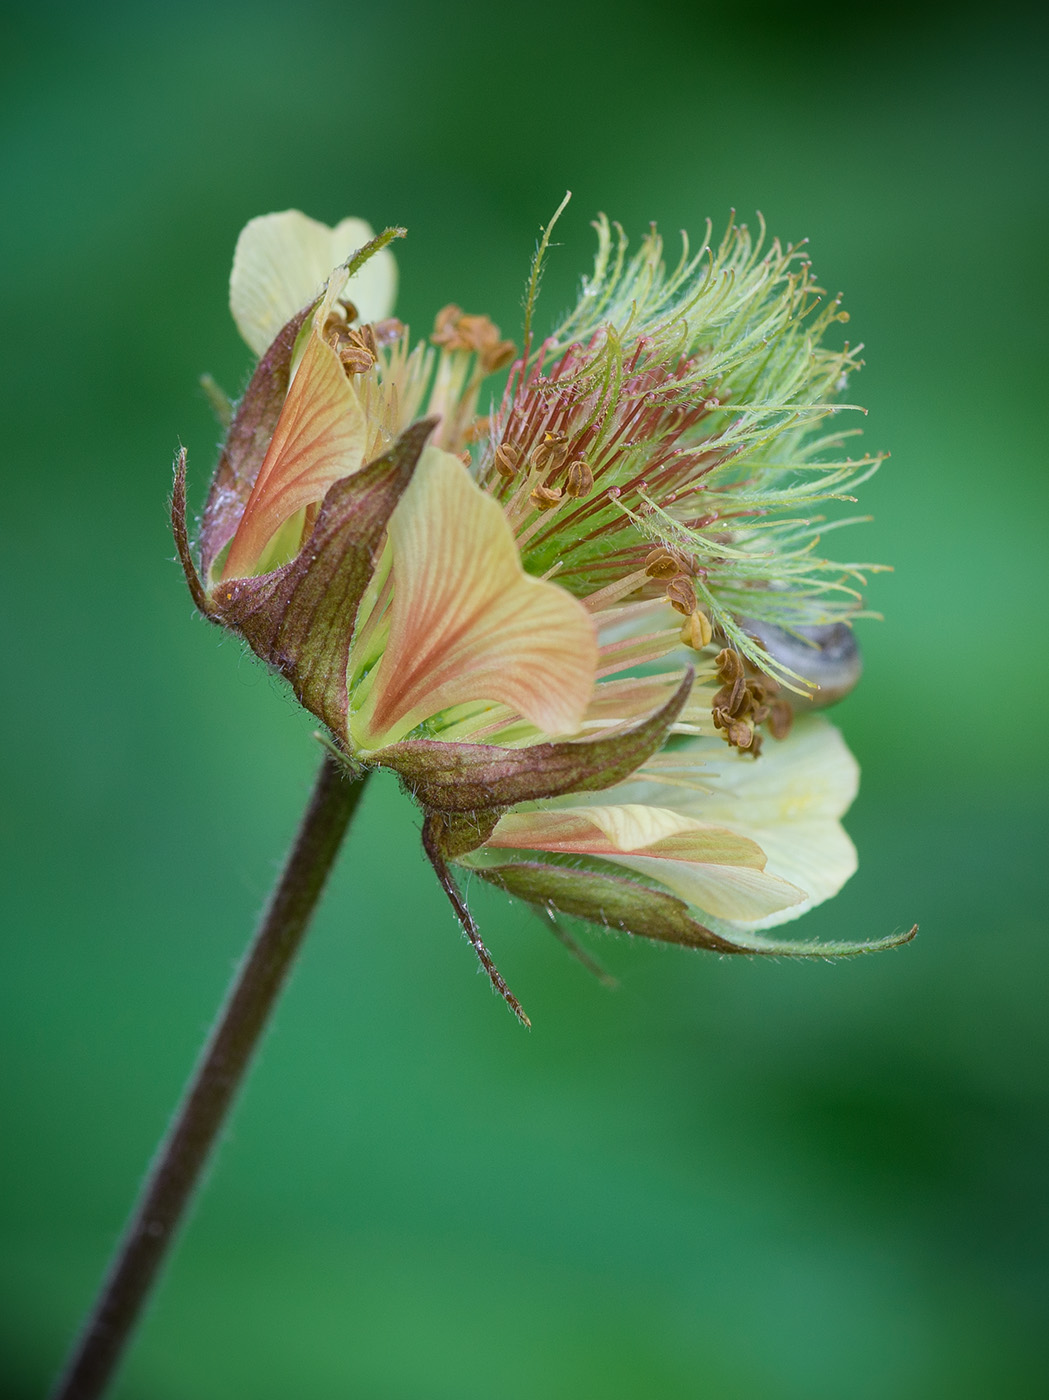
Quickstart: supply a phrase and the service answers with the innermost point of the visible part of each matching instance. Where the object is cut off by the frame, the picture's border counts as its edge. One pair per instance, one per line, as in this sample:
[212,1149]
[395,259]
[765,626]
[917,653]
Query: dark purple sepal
[453,777]
[247,442]
[610,901]
[300,617]
[440,839]
[459,833]
[178,529]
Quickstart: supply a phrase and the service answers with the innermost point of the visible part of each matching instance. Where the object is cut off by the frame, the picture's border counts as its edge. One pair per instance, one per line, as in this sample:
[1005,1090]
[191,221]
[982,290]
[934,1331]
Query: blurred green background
[725,1179]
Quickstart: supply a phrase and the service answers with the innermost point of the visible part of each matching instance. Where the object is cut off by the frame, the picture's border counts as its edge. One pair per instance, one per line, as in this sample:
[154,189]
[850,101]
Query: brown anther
[507,459]
[781,717]
[444,327]
[697,631]
[478,332]
[580,480]
[681,594]
[478,335]
[388,331]
[550,454]
[499,356]
[334,328]
[357,349]
[729,664]
[660,563]
[740,735]
[350,309]
[733,698]
[546,497]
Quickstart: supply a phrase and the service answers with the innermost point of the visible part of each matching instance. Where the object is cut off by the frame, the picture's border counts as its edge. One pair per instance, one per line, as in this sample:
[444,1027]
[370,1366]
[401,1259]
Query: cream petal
[809,775]
[466,622]
[320,438]
[788,801]
[816,856]
[282,262]
[731,892]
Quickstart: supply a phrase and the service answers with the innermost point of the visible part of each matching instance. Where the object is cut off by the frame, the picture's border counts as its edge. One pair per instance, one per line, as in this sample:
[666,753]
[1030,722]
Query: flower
[524,606]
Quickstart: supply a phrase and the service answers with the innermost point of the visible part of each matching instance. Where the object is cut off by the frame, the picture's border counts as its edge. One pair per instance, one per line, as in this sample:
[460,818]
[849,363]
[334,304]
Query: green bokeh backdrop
[726,1179]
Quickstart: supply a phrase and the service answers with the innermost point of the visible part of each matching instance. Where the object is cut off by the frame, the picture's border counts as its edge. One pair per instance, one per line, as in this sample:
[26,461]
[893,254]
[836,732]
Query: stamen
[697,631]
[507,460]
[681,594]
[550,454]
[546,497]
[357,349]
[729,664]
[580,478]
[744,702]
[781,717]
[662,563]
[612,592]
[477,335]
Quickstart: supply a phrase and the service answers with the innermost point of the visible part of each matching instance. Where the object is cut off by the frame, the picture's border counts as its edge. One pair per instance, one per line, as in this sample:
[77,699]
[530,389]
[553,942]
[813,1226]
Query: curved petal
[788,801]
[593,829]
[612,831]
[732,892]
[817,856]
[467,623]
[807,776]
[282,262]
[319,439]
[719,871]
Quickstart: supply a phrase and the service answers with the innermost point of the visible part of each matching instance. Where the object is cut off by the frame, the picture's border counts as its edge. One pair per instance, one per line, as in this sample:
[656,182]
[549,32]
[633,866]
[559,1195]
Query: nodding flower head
[523,601]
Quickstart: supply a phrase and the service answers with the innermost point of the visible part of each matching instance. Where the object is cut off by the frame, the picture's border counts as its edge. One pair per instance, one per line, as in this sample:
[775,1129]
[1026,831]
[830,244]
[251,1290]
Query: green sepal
[247,442]
[300,617]
[617,902]
[455,777]
[612,901]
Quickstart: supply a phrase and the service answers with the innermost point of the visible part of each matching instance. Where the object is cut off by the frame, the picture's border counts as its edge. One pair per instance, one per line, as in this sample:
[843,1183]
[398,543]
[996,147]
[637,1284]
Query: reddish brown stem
[183,1154]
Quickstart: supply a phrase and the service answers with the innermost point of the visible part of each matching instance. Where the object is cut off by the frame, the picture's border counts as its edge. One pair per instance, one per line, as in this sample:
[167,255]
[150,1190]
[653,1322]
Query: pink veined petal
[718,871]
[617,830]
[319,439]
[619,701]
[467,623]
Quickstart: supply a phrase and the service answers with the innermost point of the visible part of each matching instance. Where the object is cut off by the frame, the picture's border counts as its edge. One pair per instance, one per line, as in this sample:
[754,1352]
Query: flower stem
[209,1096]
